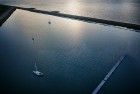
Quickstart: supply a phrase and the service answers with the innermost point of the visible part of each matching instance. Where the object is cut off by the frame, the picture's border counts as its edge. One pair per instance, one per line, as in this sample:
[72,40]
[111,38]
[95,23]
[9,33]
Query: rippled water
[118,10]
[73,55]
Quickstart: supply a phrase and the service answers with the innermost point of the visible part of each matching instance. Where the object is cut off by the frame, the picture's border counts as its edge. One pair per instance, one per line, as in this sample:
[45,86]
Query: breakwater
[82,18]
[86,19]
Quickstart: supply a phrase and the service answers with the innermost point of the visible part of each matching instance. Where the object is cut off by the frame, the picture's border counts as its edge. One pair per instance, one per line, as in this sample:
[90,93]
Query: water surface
[73,55]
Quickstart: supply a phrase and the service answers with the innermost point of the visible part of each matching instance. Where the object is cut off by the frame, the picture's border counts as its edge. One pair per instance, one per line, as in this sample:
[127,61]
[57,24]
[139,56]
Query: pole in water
[36,71]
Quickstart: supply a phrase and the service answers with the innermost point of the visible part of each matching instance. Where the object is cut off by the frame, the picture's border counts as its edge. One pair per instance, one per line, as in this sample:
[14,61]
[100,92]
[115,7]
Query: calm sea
[73,55]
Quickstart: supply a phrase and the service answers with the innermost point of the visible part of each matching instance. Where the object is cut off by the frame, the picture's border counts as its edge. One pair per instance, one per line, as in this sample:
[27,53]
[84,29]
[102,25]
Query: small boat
[37,72]
[49,22]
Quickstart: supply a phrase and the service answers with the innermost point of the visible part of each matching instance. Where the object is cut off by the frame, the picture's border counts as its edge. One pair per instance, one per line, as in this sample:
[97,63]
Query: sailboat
[36,71]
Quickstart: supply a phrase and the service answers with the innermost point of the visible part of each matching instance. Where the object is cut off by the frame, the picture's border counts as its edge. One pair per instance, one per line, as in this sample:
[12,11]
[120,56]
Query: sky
[23,1]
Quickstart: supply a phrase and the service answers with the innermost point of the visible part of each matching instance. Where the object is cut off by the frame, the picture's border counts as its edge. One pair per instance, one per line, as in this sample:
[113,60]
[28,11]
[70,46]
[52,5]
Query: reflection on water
[67,49]
[73,7]
[118,10]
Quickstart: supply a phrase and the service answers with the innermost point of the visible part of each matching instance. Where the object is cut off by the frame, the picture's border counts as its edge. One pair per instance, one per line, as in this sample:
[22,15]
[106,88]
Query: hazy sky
[23,1]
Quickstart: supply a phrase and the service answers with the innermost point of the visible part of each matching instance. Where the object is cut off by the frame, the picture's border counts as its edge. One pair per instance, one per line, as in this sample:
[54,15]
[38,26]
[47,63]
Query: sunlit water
[73,55]
[117,10]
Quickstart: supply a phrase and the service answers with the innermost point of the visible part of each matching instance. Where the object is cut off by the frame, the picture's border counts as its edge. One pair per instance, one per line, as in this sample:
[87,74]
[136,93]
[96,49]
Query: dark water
[117,10]
[74,56]
[125,80]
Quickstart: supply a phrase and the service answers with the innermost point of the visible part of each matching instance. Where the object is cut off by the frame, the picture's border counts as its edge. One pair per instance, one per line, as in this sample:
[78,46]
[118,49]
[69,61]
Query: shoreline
[85,19]
[82,18]
[5,15]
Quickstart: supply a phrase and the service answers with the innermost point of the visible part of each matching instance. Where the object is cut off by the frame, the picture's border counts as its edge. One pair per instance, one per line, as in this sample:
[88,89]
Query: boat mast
[35,65]
[36,69]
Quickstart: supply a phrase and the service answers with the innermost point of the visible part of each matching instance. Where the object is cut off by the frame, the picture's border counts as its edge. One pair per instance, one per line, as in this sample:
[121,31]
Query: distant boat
[37,72]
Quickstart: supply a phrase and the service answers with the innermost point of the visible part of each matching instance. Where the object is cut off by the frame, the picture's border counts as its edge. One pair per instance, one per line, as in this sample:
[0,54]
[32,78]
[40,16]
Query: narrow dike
[85,19]
[82,18]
